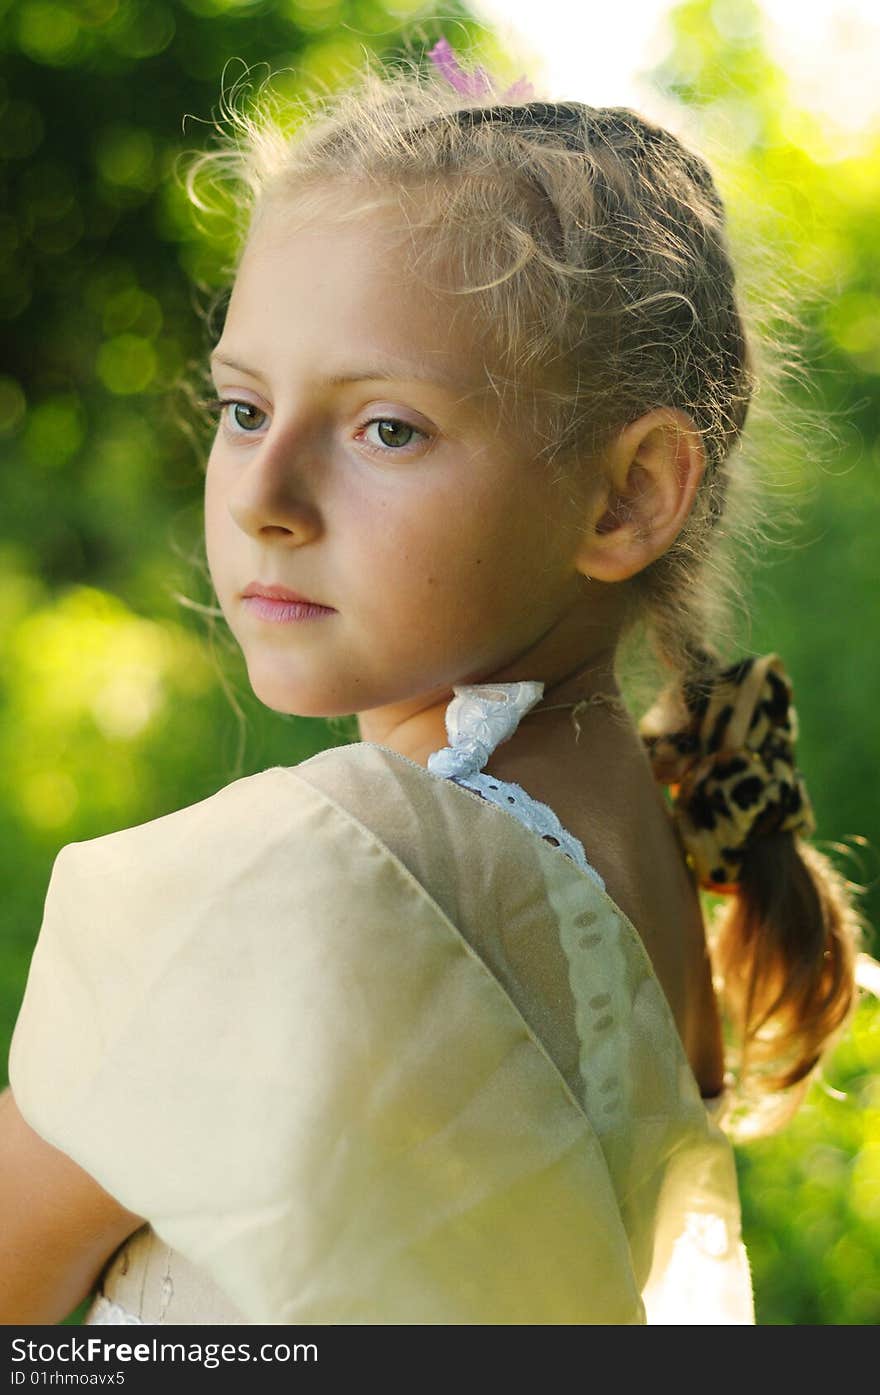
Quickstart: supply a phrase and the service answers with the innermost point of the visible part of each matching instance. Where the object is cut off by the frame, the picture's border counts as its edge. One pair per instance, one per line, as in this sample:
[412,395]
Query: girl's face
[360,464]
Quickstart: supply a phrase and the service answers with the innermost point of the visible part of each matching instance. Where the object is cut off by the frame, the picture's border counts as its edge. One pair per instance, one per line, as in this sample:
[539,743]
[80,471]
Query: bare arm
[58,1227]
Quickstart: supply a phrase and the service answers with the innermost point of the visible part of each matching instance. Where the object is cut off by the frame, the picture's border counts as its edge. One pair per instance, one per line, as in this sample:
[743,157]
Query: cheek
[415,540]
[464,553]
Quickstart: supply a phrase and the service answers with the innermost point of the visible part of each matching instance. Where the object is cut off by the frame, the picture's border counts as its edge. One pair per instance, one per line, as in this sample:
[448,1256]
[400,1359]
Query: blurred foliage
[119,703]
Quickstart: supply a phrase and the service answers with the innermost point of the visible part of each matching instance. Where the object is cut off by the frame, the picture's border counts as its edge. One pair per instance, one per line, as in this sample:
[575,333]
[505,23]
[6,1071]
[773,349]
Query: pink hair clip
[475,84]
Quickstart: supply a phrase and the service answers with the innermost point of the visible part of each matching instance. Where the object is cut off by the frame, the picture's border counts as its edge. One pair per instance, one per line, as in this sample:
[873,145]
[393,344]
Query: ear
[648,478]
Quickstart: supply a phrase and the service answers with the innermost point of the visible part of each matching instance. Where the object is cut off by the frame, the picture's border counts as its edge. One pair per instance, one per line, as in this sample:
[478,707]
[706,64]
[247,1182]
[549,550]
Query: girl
[425,1029]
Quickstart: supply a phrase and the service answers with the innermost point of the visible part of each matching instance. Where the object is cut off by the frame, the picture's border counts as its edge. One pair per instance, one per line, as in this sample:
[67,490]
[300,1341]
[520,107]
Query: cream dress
[370,1043]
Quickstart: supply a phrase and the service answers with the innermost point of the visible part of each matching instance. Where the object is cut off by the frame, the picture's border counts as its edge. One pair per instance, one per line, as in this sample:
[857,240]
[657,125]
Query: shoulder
[287,832]
[256,894]
[262,856]
[255,810]
[338,767]
[363,784]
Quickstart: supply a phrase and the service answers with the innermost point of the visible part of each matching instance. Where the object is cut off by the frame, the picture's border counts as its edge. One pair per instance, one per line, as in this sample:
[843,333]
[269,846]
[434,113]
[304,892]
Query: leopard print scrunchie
[728,757]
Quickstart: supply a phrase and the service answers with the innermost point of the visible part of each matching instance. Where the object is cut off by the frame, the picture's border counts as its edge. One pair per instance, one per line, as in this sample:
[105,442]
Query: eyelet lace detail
[480,717]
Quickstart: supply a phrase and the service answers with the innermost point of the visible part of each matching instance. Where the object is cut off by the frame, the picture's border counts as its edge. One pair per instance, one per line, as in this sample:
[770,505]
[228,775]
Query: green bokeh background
[119,703]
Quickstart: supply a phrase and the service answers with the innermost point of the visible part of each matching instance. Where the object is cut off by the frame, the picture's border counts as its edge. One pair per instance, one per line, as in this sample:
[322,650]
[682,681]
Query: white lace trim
[480,717]
[535,815]
[104,1312]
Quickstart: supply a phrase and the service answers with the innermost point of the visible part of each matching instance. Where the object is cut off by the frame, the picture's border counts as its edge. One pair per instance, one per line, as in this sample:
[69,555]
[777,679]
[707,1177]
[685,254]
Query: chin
[294,698]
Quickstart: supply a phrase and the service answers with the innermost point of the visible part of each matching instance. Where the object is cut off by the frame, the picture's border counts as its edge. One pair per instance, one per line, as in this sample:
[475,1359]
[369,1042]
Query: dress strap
[479,718]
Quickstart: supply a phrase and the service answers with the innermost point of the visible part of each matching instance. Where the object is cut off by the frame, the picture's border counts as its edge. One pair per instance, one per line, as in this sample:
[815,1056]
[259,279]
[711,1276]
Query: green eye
[388,431]
[244,416]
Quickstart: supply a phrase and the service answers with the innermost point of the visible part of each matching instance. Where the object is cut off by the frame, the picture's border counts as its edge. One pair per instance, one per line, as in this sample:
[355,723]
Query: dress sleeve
[255,1028]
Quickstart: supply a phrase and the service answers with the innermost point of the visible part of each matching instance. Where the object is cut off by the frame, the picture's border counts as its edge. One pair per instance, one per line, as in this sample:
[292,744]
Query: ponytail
[784,947]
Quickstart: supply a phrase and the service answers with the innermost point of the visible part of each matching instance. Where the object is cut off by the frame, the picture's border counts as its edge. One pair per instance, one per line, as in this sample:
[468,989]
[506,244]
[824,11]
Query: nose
[270,496]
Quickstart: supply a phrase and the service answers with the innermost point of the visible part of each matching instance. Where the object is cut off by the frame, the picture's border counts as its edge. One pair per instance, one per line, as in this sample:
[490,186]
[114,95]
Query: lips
[280,593]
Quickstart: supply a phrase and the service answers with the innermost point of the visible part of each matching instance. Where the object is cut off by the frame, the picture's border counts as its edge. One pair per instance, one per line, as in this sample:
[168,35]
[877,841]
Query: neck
[580,737]
[573,703]
[591,685]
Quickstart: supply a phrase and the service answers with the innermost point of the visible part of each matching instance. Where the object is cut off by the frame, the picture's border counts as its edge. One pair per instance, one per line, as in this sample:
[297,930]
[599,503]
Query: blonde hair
[591,246]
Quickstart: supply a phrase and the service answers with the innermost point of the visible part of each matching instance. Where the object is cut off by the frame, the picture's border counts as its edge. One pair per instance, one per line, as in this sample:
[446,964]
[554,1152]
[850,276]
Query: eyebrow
[377,372]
